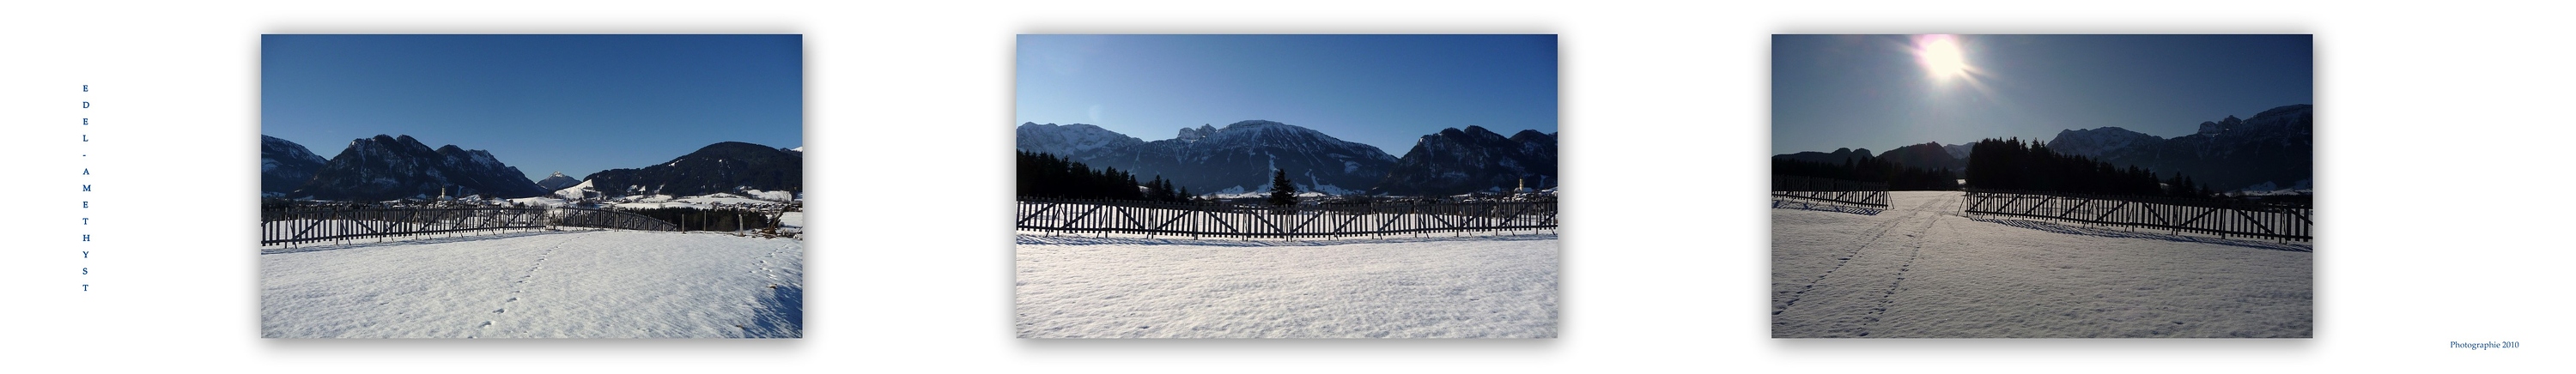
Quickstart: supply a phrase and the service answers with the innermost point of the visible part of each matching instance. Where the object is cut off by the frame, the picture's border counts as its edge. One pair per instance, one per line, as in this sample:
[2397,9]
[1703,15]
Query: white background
[2440,154]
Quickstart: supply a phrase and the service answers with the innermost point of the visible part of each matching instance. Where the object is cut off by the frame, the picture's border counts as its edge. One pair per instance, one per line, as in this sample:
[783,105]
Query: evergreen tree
[2010,164]
[1282,192]
[1050,176]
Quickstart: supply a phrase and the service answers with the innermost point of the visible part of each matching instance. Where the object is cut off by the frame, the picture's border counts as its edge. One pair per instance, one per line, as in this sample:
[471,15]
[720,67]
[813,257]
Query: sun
[1941,57]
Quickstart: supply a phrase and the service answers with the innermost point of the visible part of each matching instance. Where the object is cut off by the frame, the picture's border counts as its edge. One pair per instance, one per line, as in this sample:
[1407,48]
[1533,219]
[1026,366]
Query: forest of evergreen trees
[1049,176]
[2010,164]
[1898,177]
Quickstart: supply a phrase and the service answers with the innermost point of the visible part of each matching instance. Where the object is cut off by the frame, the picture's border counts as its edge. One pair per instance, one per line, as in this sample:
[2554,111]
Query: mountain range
[399,167]
[2275,149]
[1473,159]
[1241,156]
[716,168]
[388,168]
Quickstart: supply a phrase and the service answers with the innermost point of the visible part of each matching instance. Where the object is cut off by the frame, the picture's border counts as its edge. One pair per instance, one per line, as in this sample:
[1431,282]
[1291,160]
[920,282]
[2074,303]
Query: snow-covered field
[1922,270]
[1133,287]
[574,284]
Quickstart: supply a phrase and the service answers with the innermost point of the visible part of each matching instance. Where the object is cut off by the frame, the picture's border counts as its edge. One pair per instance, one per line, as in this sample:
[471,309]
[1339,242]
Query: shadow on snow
[781,315]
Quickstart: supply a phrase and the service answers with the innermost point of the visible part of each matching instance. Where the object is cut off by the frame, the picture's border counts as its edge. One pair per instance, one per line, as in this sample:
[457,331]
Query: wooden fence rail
[1830,190]
[293,225]
[1257,221]
[608,219]
[2213,217]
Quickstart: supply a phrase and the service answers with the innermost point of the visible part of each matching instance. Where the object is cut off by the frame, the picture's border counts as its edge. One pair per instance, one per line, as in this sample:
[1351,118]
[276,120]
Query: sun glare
[1941,57]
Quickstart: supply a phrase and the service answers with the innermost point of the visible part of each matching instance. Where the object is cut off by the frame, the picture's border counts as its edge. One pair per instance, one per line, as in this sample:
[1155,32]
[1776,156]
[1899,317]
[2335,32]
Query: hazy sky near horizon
[1875,92]
[577,104]
[1381,90]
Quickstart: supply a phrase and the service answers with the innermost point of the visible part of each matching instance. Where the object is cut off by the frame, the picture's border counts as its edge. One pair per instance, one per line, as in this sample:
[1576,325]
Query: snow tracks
[1862,279]
[592,284]
[1922,270]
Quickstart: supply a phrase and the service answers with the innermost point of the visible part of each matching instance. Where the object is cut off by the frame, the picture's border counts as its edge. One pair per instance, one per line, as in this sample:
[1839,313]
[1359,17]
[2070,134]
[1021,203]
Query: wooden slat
[2222,218]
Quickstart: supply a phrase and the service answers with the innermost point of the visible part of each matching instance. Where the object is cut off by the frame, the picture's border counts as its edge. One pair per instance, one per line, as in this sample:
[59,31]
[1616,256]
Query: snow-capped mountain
[2276,147]
[716,168]
[2099,141]
[387,168]
[1960,151]
[1456,161]
[1075,140]
[284,165]
[1238,158]
[557,182]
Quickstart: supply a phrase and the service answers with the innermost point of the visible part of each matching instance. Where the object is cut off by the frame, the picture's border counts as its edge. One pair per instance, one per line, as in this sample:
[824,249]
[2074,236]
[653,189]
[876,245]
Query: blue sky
[1382,90]
[1872,91]
[542,103]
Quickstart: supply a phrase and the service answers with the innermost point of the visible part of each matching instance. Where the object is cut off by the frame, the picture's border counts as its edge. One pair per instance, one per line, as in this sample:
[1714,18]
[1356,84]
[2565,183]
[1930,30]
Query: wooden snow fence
[608,219]
[1262,221]
[296,225]
[2223,218]
[1867,194]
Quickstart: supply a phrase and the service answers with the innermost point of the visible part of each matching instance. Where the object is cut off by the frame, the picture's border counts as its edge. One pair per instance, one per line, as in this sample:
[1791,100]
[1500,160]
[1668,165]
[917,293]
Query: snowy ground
[791,222]
[1133,287]
[577,284]
[1922,270]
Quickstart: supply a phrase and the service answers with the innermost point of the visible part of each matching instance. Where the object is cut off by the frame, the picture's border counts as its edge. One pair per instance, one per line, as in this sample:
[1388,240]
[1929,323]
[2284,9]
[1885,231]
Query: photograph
[1312,186]
[2042,186]
[531,186]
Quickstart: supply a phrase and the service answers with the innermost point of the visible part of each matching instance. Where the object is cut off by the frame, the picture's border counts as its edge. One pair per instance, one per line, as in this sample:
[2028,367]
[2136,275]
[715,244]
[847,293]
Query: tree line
[2010,164]
[1049,176]
[1871,169]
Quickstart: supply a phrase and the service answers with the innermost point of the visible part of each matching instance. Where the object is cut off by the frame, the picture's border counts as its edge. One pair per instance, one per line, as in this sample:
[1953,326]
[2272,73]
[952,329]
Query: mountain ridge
[388,167]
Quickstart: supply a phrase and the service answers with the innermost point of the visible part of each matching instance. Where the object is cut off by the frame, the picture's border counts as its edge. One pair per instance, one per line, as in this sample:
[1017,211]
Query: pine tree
[1282,192]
